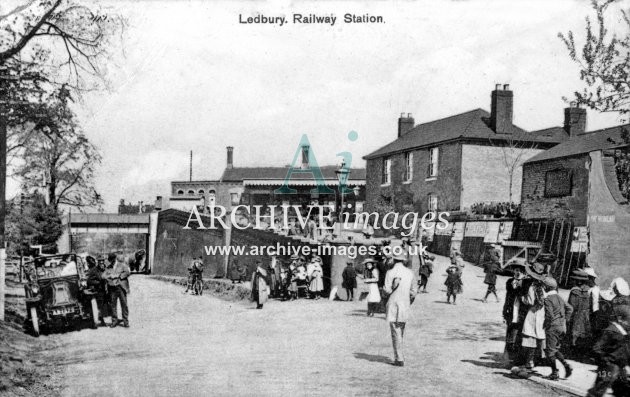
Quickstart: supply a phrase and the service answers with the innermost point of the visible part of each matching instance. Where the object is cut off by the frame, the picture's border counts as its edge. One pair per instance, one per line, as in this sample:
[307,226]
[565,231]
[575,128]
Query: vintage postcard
[305,198]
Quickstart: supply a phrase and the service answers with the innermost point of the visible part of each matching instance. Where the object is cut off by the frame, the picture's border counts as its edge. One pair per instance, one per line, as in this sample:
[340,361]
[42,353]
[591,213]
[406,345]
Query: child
[556,313]
[612,354]
[491,269]
[426,268]
[453,283]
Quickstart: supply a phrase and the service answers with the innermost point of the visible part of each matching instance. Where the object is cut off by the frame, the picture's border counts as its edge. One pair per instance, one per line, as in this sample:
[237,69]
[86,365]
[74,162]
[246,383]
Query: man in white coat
[401,288]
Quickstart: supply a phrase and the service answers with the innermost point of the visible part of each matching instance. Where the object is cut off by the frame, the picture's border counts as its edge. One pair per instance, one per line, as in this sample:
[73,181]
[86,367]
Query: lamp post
[342,176]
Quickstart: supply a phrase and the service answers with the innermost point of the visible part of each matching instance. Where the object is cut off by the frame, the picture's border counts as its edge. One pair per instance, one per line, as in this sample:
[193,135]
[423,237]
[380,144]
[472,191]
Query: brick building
[258,185]
[577,182]
[455,162]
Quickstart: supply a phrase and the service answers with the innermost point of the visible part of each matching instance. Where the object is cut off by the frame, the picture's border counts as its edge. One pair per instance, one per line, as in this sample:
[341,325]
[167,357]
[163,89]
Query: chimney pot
[405,124]
[501,109]
[497,87]
[230,157]
[574,120]
[305,155]
[506,87]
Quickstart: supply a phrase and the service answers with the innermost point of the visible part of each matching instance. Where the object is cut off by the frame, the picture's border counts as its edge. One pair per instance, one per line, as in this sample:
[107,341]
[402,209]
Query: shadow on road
[373,358]
[489,360]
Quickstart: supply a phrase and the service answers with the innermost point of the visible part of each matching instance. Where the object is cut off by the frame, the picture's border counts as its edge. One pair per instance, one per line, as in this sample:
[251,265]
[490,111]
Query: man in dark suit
[118,283]
[98,284]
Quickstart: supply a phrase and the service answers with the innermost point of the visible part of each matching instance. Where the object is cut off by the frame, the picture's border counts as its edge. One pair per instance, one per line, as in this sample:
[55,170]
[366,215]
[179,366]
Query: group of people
[109,279]
[284,280]
[591,323]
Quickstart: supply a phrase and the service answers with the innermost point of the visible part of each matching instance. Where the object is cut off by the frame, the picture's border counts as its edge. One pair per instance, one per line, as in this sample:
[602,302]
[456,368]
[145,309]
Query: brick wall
[446,185]
[485,176]
[574,206]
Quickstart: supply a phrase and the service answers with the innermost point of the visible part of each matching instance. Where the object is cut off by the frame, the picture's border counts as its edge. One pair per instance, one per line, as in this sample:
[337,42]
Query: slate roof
[608,138]
[238,174]
[471,125]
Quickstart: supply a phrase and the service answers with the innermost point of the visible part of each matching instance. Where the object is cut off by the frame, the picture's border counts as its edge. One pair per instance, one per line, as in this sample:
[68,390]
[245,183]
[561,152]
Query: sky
[189,76]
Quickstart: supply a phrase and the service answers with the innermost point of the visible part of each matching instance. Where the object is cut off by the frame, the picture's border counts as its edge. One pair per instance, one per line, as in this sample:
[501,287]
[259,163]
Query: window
[191,192]
[558,183]
[432,203]
[180,192]
[434,154]
[201,191]
[234,198]
[408,166]
[386,176]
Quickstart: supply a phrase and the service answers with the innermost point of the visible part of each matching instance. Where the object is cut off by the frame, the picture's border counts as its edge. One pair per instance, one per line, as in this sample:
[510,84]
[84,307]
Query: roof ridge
[449,117]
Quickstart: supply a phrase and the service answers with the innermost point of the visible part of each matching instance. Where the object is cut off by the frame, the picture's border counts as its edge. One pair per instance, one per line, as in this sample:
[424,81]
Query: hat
[317,258]
[550,282]
[405,239]
[590,272]
[294,257]
[621,286]
[368,260]
[514,264]
[579,274]
[400,258]
[535,270]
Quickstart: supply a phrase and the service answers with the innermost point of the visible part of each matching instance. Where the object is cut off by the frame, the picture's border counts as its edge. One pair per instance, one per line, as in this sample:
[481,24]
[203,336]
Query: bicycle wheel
[199,287]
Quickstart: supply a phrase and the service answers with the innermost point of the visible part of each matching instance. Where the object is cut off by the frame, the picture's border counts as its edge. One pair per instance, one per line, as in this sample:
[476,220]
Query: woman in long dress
[371,280]
[316,277]
[260,286]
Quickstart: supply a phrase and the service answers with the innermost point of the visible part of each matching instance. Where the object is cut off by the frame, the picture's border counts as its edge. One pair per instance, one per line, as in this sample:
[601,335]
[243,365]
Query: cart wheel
[94,324]
[34,321]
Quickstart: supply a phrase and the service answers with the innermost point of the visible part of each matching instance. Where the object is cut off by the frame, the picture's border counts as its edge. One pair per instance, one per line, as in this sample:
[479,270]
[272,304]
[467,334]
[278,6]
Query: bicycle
[194,284]
[198,285]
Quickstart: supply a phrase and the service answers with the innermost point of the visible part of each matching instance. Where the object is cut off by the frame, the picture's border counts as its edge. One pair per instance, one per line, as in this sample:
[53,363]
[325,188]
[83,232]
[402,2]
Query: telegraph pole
[3,194]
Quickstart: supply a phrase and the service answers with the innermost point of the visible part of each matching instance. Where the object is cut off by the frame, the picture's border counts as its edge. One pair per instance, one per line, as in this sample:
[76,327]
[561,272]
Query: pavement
[200,345]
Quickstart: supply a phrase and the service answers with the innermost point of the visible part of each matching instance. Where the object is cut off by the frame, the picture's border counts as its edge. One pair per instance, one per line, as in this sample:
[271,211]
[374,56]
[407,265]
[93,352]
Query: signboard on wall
[492,232]
[458,231]
[447,231]
[505,231]
[476,229]
[580,239]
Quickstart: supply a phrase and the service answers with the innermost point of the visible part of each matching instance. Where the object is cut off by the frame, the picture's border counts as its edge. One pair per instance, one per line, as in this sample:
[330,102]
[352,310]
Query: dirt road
[188,345]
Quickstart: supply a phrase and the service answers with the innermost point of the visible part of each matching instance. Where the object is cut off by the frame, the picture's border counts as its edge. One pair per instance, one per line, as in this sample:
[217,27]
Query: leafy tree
[70,36]
[604,61]
[30,221]
[61,158]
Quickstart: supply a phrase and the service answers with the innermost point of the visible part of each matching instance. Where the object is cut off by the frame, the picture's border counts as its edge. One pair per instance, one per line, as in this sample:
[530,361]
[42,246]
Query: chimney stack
[158,203]
[501,109]
[405,124]
[230,157]
[305,154]
[574,120]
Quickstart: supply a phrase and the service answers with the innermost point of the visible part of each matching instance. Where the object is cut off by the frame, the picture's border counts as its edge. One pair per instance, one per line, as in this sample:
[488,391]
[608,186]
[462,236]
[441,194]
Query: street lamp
[342,176]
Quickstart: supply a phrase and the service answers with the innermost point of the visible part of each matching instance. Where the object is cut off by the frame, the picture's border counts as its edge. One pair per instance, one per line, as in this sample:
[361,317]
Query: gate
[556,236]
